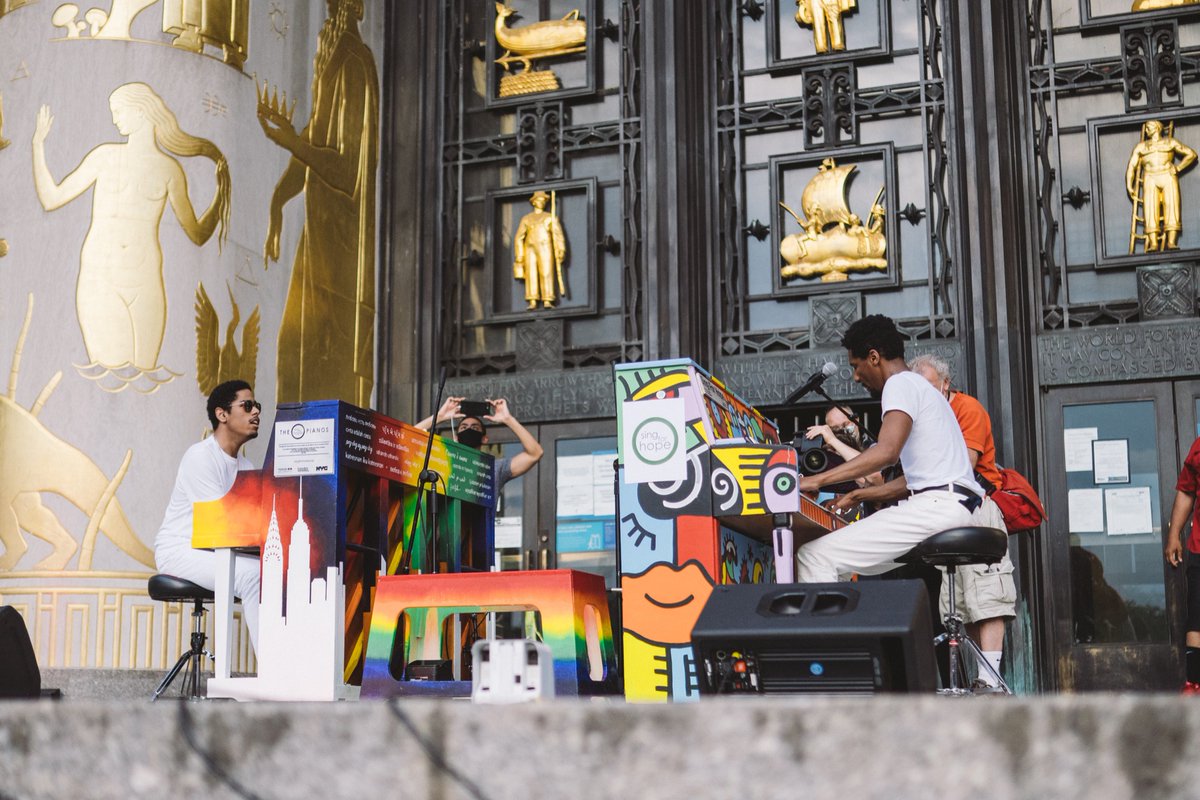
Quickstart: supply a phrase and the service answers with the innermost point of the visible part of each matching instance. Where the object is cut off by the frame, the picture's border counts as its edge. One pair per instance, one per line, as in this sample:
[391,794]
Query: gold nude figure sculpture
[120,298]
[33,461]
[539,248]
[1152,181]
[825,17]
[537,40]
[834,240]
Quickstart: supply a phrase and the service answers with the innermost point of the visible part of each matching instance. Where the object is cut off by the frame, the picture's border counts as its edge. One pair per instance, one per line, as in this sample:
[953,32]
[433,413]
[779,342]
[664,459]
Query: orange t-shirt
[977,433]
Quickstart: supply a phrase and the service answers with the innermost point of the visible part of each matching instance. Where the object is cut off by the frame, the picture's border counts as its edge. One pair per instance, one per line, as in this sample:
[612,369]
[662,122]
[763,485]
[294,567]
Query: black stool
[951,549]
[169,589]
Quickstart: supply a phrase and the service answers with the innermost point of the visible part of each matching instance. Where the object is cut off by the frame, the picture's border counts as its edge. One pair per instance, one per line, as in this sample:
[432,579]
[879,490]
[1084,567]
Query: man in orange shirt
[987,595]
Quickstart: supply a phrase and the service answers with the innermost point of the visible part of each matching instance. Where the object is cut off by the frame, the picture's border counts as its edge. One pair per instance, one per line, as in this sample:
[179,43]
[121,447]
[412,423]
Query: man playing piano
[207,472]
[920,431]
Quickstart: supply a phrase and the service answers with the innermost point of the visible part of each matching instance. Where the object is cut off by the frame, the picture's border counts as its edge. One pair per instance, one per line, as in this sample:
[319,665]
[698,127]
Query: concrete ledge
[1065,747]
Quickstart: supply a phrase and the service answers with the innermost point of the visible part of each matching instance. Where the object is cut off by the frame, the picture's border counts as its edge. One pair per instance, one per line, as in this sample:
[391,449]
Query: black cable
[187,726]
[434,753]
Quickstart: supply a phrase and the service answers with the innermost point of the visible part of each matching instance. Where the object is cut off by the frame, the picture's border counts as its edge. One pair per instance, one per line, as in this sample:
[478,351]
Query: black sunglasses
[247,405]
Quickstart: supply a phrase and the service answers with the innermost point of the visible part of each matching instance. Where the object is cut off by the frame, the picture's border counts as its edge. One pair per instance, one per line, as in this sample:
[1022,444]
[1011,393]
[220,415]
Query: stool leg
[956,637]
[192,660]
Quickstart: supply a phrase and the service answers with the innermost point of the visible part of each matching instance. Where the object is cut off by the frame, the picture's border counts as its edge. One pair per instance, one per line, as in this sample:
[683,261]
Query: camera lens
[813,461]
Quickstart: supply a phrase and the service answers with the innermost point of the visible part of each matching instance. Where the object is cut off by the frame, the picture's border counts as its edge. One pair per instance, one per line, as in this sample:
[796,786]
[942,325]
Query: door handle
[527,560]
[543,558]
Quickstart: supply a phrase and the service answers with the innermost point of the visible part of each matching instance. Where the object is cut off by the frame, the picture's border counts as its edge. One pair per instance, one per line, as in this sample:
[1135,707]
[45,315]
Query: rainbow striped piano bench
[415,644]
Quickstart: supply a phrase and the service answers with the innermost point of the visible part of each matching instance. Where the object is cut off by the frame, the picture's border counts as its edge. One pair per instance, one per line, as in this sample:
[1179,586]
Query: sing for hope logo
[655,440]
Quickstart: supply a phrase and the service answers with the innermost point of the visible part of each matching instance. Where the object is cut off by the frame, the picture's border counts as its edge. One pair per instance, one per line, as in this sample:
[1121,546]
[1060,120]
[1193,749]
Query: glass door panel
[1115,518]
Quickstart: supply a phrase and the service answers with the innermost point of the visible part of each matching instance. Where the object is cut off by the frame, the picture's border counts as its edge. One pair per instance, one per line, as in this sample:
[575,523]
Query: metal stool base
[190,662]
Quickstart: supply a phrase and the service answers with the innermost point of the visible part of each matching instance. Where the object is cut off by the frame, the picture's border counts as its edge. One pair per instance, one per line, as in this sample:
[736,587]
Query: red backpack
[1018,502]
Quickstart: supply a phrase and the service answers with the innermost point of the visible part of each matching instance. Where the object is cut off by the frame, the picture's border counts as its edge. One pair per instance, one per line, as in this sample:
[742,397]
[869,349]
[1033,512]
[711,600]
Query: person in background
[1184,509]
[986,594]
[472,431]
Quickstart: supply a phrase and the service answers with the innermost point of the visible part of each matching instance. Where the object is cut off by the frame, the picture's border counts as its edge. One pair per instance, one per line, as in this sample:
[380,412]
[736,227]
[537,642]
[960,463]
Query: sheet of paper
[508,532]
[574,471]
[576,501]
[1110,461]
[304,447]
[1077,448]
[1085,510]
[1129,510]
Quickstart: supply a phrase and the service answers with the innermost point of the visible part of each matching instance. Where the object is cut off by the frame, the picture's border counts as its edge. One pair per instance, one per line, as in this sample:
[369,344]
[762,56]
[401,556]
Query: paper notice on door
[1110,461]
[1129,510]
[508,532]
[1085,510]
[1077,448]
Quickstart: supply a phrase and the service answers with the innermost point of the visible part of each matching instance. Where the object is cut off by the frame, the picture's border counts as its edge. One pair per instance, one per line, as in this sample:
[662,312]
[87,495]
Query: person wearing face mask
[472,431]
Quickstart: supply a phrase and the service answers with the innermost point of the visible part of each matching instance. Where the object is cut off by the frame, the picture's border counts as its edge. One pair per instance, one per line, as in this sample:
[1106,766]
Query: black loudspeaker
[19,673]
[799,638]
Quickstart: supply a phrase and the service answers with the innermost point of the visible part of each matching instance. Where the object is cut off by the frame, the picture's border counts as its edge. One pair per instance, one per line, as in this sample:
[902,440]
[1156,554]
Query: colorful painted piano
[331,508]
[707,495]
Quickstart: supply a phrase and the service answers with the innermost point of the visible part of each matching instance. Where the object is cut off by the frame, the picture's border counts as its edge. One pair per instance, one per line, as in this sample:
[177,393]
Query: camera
[475,408]
[813,459]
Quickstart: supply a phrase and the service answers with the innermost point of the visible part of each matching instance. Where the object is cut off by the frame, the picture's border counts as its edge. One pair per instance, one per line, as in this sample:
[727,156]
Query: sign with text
[304,447]
[654,440]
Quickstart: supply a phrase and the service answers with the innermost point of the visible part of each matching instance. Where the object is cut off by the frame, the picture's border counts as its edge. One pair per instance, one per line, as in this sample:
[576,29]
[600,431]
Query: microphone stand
[425,482]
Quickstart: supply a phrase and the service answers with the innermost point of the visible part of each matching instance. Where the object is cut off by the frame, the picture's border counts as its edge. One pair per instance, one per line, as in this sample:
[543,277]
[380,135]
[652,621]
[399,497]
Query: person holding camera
[471,430]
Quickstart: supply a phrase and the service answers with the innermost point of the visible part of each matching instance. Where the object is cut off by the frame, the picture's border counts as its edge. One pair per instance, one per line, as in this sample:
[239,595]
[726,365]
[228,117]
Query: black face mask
[470,437]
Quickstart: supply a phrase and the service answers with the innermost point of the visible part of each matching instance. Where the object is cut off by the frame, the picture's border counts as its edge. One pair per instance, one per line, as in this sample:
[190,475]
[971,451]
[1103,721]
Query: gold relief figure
[8,6]
[220,23]
[1152,181]
[112,24]
[327,335]
[216,363]
[834,240]
[1150,5]
[119,297]
[33,461]
[825,17]
[537,40]
[539,248]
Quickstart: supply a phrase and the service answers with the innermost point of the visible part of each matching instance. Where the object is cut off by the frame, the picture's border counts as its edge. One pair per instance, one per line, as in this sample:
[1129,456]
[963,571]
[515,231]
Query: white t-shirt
[935,453]
[206,473]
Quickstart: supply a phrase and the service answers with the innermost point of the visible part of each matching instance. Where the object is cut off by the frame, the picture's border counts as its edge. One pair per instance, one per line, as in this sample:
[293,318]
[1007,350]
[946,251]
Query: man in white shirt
[919,429]
[207,472]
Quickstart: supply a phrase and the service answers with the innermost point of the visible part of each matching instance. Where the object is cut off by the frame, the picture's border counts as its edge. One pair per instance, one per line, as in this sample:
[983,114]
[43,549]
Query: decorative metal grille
[828,105]
[1080,151]
[490,144]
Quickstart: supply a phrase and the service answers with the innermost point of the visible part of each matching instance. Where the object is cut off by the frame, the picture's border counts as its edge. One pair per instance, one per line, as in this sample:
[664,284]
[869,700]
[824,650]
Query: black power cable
[435,754]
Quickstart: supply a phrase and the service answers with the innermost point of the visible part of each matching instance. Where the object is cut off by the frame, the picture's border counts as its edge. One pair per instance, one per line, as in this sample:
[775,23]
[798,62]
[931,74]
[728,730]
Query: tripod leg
[180,664]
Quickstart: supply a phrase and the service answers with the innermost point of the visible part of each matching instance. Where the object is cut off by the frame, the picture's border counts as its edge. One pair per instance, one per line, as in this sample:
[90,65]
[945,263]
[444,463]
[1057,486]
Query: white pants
[200,567]
[872,545]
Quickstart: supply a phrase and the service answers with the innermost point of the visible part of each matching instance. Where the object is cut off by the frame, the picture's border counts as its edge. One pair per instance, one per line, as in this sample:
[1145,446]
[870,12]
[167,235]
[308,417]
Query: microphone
[814,381]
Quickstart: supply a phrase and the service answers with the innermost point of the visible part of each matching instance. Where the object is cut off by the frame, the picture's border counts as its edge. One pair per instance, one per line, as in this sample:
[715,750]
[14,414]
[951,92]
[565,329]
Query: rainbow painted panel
[561,597]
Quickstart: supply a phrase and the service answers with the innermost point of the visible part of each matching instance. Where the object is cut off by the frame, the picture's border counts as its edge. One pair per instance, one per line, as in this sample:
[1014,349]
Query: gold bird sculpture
[553,37]
[217,363]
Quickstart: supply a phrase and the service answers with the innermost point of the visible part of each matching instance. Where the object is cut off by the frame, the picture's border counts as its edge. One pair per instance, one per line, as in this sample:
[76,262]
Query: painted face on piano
[869,372]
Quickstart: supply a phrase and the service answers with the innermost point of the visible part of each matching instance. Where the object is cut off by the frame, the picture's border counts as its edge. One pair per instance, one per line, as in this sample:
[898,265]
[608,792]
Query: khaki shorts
[982,591]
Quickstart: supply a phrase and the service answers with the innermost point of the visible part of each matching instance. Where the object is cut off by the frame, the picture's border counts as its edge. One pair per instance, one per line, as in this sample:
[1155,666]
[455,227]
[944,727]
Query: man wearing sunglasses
[207,472]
